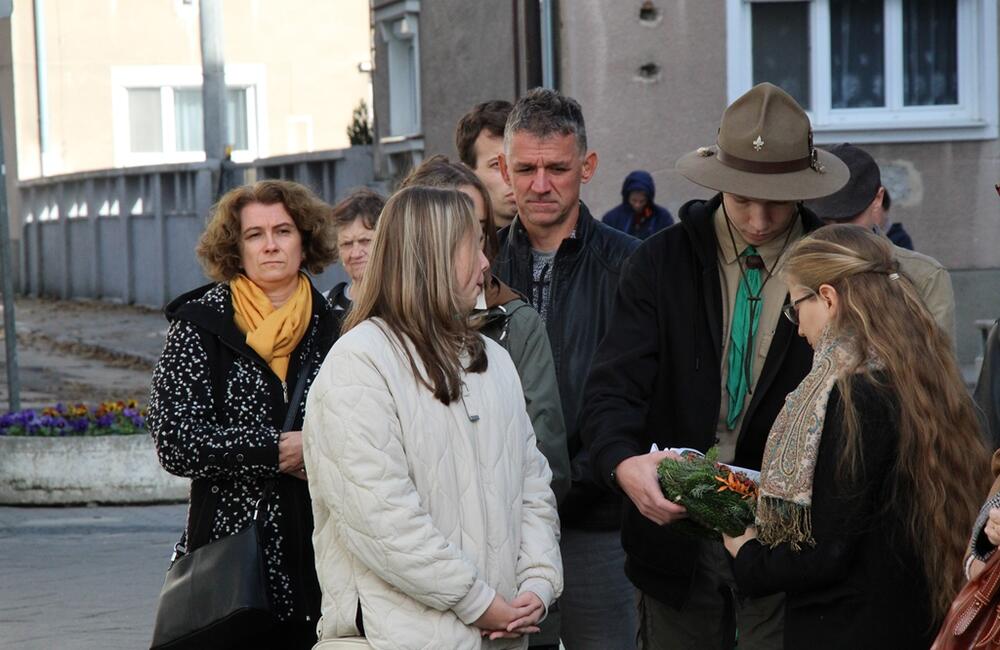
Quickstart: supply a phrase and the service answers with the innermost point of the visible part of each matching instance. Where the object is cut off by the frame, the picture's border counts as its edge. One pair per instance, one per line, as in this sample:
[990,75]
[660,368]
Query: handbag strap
[300,386]
[180,548]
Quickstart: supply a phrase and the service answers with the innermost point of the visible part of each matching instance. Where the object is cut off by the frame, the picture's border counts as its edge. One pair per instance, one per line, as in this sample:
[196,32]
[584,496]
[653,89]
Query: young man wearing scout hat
[697,354]
[860,202]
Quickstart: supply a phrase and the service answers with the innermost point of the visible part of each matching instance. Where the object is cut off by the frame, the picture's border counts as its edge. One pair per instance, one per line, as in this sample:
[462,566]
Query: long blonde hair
[409,284]
[941,473]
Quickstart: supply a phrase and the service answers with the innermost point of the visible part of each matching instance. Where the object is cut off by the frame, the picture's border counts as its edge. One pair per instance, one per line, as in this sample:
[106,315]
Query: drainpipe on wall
[548,46]
[41,84]
[213,94]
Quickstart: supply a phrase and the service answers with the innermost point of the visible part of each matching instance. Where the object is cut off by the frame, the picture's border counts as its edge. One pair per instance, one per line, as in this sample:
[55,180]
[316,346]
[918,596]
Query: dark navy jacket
[623,218]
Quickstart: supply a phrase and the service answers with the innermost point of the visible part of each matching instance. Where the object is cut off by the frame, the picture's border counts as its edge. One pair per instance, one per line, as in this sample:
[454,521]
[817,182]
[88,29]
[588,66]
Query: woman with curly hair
[872,473]
[221,390]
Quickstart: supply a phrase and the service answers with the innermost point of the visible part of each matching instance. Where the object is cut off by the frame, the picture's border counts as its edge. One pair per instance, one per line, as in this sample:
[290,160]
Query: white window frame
[389,19]
[973,118]
[168,77]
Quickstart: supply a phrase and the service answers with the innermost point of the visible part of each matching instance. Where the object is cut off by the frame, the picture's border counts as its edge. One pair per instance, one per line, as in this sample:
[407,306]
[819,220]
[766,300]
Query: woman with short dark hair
[354,218]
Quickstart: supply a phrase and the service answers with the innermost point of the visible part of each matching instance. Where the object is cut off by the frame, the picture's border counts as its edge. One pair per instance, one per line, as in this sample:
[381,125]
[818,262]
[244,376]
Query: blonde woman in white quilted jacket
[435,523]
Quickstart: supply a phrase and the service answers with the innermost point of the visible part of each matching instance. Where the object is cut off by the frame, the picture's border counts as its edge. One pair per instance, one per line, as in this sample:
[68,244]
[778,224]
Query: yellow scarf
[272,333]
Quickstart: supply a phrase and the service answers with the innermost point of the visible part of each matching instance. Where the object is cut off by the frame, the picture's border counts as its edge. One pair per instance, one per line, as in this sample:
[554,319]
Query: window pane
[145,127]
[930,52]
[236,118]
[188,121]
[857,53]
[780,33]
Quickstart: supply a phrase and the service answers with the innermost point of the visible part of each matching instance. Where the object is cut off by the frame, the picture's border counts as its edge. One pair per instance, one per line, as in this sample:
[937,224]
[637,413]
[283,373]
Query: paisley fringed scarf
[784,507]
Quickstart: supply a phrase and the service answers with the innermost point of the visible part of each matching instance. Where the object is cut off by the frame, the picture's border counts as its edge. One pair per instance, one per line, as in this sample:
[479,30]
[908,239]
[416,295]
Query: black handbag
[216,596]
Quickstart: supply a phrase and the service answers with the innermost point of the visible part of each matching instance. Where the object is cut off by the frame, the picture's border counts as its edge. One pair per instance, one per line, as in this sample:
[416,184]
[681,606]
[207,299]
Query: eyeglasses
[791,310]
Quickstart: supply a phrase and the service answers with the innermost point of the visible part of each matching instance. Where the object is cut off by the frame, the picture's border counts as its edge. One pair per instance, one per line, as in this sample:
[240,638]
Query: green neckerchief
[746,316]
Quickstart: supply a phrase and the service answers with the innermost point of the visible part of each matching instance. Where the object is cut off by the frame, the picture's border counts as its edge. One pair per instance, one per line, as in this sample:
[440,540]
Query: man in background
[568,264]
[637,214]
[862,202]
[479,140]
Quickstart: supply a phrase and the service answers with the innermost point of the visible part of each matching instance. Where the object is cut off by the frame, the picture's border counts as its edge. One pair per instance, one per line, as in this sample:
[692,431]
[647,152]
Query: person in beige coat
[435,523]
[861,203]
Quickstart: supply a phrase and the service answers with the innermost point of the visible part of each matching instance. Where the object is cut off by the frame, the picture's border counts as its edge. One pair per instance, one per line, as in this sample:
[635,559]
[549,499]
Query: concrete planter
[84,469]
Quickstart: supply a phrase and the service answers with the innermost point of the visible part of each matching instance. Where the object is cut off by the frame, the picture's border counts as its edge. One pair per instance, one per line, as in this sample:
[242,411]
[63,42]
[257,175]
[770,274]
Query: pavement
[83,578]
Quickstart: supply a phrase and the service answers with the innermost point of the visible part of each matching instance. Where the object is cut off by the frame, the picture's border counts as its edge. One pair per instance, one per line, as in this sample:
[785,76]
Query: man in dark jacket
[638,215]
[568,265]
[697,355]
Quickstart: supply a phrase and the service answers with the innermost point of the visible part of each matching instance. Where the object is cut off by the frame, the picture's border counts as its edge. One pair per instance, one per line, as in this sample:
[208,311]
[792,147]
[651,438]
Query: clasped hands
[509,620]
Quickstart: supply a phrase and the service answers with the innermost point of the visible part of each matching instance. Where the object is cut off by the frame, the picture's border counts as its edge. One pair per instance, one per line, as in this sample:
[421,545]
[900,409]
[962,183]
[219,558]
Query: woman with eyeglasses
[872,473]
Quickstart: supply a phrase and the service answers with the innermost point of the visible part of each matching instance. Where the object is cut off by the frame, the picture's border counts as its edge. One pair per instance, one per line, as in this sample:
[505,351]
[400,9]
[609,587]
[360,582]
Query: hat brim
[802,185]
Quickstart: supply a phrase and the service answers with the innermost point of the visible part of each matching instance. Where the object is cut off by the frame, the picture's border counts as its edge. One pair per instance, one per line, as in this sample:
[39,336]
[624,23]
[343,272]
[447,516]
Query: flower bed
[72,454]
[108,418]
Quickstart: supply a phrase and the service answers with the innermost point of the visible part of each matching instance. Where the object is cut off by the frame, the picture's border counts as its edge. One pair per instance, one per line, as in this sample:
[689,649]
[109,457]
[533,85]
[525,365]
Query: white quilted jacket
[423,514]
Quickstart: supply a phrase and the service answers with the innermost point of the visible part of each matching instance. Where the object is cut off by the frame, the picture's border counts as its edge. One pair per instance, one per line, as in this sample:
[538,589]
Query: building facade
[913,81]
[104,84]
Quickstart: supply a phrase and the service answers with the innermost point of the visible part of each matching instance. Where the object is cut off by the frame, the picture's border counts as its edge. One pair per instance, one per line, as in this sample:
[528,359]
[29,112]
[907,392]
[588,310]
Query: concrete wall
[459,68]
[462,67]
[977,294]
[309,51]
[638,122]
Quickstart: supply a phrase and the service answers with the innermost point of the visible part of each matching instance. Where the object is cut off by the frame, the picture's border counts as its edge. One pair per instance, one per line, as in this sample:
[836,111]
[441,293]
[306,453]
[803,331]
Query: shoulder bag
[974,618]
[217,595]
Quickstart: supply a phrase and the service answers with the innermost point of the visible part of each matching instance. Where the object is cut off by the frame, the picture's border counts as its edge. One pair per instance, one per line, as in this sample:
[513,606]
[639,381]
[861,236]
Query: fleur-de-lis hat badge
[763,148]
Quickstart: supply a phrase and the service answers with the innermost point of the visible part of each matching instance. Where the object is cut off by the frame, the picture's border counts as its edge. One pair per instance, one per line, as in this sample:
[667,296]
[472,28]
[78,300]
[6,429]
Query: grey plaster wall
[977,297]
[943,193]
[462,66]
[644,121]
[466,57]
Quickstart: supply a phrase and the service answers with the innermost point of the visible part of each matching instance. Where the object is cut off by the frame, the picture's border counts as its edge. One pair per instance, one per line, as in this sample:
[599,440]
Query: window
[158,114]
[873,70]
[189,125]
[398,29]
[146,126]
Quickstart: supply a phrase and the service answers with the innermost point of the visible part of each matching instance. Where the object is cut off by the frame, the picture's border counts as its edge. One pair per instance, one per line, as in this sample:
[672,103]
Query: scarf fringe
[782,521]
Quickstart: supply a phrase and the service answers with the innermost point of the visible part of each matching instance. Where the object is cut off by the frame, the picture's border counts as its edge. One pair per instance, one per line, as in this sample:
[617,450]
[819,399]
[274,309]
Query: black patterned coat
[216,411]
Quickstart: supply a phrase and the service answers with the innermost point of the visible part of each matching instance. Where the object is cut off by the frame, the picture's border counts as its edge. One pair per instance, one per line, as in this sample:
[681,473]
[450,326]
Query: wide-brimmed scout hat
[765,151]
[854,197]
